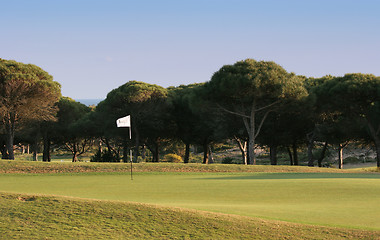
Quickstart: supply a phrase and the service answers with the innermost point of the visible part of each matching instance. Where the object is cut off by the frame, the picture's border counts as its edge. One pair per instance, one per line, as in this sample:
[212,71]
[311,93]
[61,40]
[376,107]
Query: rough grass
[369,170]
[46,217]
[7,166]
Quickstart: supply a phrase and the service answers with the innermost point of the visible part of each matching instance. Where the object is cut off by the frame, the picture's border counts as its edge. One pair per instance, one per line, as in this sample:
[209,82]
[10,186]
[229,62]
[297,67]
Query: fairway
[329,199]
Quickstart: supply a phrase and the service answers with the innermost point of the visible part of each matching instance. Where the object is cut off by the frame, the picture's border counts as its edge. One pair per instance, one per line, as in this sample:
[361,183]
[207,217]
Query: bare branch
[240,144]
[267,106]
[68,147]
[235,113]
[344,144]
[246,124]
[261,123]
[378,130]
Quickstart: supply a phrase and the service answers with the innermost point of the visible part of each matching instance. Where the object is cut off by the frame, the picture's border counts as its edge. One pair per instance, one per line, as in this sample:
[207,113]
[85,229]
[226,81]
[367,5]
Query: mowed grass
[267,202]
[347,200]
[42,217]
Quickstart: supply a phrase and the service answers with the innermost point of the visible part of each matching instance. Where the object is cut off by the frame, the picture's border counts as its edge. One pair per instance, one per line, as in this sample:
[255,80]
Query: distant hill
[89,102]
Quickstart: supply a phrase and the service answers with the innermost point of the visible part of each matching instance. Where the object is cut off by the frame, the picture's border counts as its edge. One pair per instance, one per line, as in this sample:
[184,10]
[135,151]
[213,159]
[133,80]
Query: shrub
[227,160]
[231,160]
[104,156]
[172,158]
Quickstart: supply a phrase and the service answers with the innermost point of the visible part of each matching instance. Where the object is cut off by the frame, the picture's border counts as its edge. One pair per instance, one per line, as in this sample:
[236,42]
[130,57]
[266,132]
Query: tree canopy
[26,93]
[254,102]
[252,89]
[147,105]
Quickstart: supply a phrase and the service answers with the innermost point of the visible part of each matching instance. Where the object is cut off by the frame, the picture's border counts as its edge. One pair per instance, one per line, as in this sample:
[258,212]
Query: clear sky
[93,46]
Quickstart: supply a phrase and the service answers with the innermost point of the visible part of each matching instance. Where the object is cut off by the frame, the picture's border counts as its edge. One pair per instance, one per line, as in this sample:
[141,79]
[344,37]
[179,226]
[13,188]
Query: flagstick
[130,133]
[126,122]
[130,150]
[130,153]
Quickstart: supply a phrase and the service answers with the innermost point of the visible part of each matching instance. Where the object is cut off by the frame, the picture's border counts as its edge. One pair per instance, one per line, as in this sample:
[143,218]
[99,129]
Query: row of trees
[256,103]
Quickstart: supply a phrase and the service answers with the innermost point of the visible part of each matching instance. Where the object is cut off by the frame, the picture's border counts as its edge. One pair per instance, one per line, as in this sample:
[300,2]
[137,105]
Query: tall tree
[252,89]
[150,116]
[69,128]
[356,96]
[195,123]
[315,115]
[26,92]
[183,116]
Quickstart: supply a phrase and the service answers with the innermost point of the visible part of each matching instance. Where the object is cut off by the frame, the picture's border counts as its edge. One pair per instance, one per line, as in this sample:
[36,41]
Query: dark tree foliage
[26,93]
[149,110]
[70,130]
[252,90]
[353,98]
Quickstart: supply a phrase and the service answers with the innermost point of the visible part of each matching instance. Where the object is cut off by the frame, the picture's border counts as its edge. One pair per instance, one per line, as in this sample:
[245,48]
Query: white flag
[124,121]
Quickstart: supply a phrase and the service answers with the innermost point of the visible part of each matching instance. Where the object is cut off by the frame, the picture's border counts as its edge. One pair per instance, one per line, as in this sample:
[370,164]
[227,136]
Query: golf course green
[348,200]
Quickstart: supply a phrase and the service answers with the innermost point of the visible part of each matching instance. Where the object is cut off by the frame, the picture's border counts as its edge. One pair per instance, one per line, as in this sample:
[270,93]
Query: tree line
[255,103]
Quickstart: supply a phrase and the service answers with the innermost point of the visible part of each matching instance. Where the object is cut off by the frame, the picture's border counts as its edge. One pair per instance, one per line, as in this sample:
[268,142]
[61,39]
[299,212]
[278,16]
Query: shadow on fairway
[298,176]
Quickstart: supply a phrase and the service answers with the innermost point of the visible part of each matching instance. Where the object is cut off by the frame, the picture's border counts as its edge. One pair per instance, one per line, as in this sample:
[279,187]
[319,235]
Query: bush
[172,158]
[105,156]
[352,160]
[231,160]
[227,160]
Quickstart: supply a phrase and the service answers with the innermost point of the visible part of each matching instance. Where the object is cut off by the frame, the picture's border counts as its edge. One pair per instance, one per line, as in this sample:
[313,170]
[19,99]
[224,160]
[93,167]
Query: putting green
[331,199]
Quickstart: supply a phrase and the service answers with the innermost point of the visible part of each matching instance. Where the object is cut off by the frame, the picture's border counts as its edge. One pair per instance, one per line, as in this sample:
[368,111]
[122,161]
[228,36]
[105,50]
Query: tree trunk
[250,125]
[187,153]
[253,132]
[46,152]
[3,149]
[100,147]
[35,149]
[323,153]
[251,129]
[310,147]
[74,151]
[295,154]
[125,150]
[376,141]
[143,152]
[10,134]
[340,156]
[252,157]
[210,155]
[273,155]
[28,149]
[155,152]
[290,156]
[377,146]
[35,158]
[108,145]
[75,157]
[243,149]
[205,153]
[310,154]
[137,145]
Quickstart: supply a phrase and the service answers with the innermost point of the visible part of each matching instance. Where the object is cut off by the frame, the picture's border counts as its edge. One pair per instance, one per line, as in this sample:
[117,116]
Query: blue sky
[92,46]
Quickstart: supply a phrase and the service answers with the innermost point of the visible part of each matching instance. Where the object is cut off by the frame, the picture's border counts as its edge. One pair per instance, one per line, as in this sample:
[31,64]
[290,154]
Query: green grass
[289,198]
[42,217]
[331,199]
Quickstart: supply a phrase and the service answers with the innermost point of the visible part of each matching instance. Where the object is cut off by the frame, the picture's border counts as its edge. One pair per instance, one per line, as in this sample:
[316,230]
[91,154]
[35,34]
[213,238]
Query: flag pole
[130,153]
[126,122]
[130,150]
